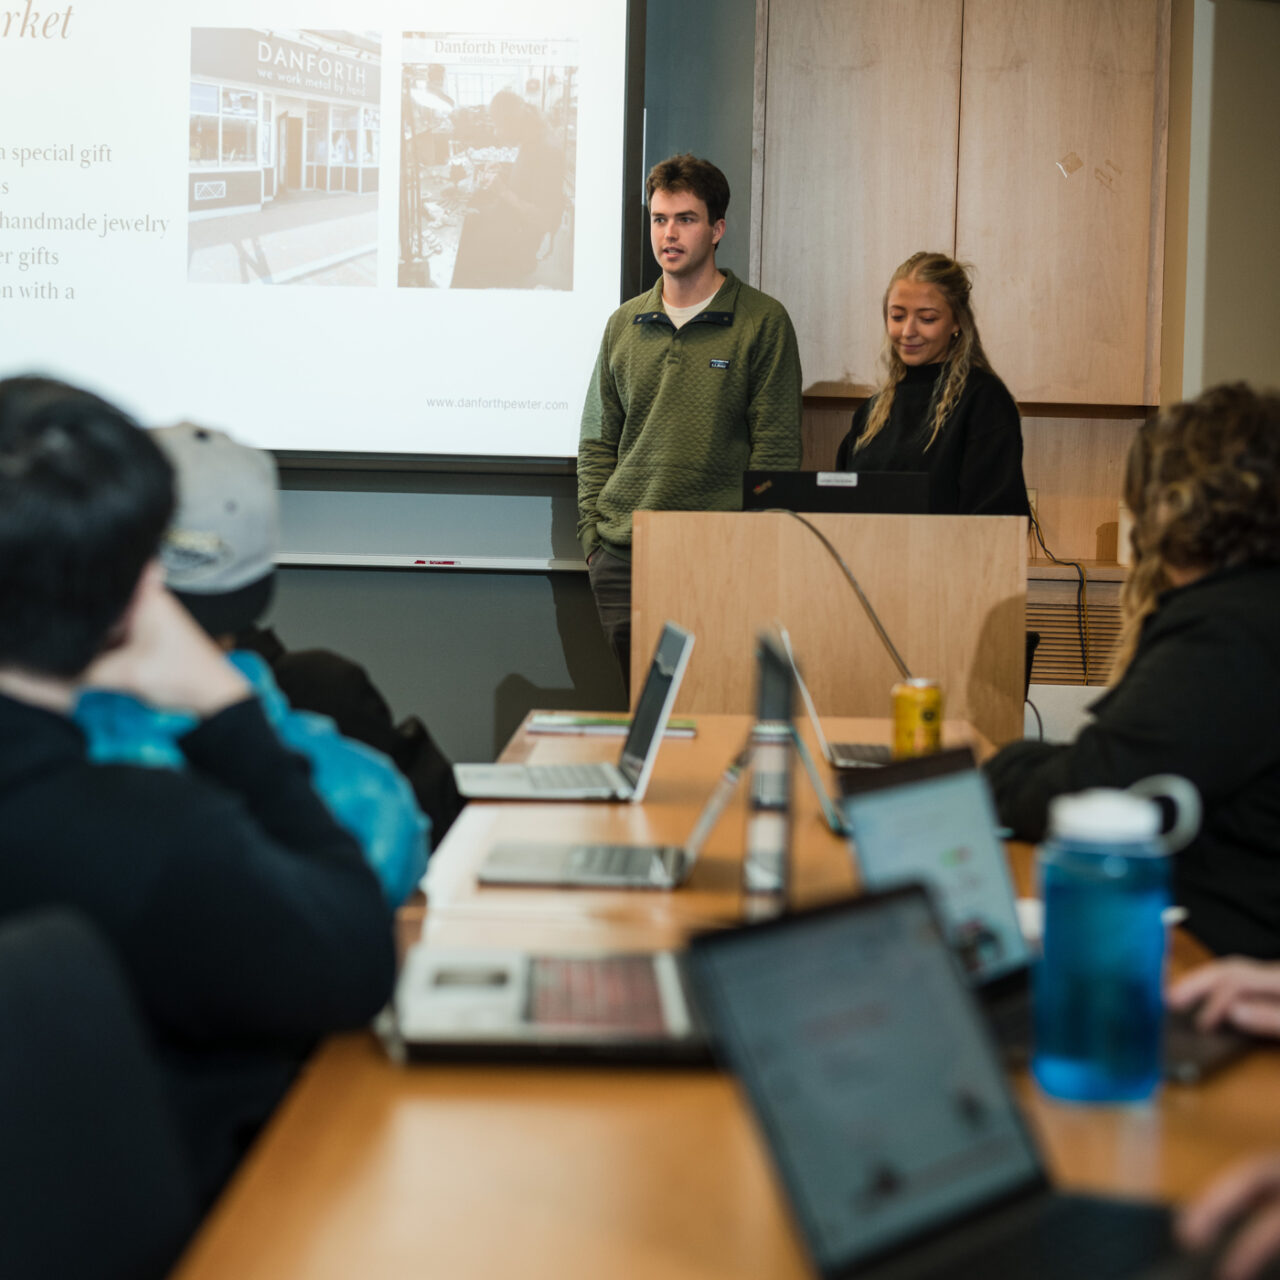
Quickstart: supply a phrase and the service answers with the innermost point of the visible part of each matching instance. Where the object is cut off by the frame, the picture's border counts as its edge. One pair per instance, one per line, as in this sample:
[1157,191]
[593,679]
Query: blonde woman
[1197,686]
[941,408]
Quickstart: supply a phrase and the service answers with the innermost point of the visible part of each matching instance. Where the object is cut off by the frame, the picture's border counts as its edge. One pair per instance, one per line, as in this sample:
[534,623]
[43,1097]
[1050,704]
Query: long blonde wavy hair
[953,280]
[1203,483]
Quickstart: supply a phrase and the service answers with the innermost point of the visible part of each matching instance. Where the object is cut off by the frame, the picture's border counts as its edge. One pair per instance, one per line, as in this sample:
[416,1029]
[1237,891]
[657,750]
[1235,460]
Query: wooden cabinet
[1026,138]
[855,165]
[1060,193]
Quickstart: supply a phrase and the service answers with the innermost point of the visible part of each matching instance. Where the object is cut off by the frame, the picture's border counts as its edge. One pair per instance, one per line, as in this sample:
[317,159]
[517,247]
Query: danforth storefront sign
[246,56]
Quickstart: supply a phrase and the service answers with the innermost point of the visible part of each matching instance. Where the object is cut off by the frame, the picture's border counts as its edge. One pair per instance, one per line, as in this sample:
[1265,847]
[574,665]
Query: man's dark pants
[611,585]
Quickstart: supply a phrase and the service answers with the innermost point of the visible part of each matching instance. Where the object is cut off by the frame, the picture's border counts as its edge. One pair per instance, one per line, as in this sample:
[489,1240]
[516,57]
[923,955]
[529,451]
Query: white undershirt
[682,315]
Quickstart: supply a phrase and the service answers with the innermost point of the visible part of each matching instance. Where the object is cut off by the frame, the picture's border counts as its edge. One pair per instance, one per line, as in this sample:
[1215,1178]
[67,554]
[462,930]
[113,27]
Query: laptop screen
[932,821]
[655,701]
[869,492]
[868,1066]
[774,683]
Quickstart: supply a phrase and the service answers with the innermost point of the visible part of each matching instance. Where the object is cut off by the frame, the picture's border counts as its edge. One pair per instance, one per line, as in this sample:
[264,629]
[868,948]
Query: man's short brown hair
[687,173]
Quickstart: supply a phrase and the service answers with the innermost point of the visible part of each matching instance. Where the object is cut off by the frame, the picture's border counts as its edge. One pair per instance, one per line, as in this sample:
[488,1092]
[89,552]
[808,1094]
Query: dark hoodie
[1201,698]
[245,917]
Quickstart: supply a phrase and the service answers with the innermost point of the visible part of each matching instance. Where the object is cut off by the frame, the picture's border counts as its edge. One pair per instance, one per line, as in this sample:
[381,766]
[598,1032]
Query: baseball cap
[219,552]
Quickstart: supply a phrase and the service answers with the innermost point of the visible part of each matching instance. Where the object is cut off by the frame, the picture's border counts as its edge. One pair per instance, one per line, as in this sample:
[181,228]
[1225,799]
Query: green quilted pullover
[673,417]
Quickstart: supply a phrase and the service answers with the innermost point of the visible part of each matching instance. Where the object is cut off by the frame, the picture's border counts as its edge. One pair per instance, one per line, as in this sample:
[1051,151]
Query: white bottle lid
[1104,814]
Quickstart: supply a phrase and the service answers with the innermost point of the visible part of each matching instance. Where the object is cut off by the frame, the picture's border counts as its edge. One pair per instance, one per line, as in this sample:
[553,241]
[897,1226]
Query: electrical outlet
[1032,495]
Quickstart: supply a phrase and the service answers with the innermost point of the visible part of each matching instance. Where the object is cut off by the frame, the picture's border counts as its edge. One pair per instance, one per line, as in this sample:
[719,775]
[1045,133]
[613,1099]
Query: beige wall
[1236,333]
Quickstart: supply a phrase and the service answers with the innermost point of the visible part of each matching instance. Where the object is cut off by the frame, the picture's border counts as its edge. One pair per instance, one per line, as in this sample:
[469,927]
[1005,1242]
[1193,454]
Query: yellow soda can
[917,718]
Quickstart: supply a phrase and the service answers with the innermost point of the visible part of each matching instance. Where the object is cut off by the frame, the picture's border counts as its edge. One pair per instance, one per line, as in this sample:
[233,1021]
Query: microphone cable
[1082,594]
[853,582]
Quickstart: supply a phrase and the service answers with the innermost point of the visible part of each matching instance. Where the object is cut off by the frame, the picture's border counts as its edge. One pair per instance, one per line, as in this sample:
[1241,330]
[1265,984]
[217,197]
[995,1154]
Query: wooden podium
[950,591]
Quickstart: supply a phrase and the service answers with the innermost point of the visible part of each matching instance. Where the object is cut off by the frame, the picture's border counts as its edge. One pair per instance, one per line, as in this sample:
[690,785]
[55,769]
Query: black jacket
[331,685]
[975,464]
[245,917]
[1201,699]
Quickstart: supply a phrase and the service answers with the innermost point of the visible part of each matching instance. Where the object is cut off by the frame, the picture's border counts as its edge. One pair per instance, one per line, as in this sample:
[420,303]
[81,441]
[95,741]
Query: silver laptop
[613,866]
[932,821]
[507,1005]
[839,755]
[626,780]
[887,1112]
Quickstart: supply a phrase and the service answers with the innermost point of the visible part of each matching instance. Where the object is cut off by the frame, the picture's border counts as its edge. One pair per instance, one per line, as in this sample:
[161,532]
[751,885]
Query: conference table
[373,1168]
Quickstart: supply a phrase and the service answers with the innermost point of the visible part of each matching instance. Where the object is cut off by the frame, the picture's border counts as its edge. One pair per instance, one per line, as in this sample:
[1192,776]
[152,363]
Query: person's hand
[1250,1194]
[1238,992]
[165,659]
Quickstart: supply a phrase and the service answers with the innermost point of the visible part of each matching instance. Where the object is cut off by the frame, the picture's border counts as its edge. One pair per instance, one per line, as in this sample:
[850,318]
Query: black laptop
[868,492]
[886,1110]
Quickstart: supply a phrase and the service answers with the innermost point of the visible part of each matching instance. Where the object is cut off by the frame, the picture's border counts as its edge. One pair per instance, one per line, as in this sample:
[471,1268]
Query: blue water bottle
[1098,987]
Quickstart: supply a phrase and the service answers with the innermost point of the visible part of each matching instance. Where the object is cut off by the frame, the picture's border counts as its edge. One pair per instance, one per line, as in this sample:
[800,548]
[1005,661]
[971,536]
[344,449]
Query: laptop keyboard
[569,777]
[612,859]
[1070,1239]
[858,755]
[605,992]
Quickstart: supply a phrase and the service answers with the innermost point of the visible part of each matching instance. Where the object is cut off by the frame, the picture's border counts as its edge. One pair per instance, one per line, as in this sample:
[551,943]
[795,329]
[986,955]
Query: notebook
[508,1005]
[839,755]
[886,1110]
[932,820]
[868,492]
[613,866]
[629,778]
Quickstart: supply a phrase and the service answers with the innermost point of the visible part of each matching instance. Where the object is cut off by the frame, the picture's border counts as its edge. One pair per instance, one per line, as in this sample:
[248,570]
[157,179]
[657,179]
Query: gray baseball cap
[219,552]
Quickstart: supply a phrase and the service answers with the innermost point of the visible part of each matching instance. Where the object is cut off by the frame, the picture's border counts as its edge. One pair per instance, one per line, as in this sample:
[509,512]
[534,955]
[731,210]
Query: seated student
[325,682]
[244,916]
[219,560]
[1245,994]
[1197,684]
[940,408]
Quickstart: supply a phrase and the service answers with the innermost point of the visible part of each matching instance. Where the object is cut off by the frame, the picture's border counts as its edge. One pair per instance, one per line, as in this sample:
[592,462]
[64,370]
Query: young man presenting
[696,382]
[245,917]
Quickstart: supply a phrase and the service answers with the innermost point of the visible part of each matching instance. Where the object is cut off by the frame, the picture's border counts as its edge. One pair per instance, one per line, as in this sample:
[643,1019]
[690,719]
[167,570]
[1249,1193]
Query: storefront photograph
[285,134]
[488,148]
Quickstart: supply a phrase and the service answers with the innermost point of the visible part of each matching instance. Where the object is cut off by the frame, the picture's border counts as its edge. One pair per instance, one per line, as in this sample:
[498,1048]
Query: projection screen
[372,226]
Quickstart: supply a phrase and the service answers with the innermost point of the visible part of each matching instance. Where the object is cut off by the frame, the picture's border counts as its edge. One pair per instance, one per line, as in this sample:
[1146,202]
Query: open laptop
[613,866]
[931,820]
[839,755]
[886,1110]
[516,1006]
[626,780]
[868,492]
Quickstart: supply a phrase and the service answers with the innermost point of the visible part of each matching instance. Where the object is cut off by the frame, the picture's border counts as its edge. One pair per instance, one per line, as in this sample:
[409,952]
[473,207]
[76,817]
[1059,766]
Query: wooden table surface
[373,1169]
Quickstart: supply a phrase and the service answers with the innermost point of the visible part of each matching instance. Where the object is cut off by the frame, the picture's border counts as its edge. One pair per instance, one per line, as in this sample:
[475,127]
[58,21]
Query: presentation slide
[371,227]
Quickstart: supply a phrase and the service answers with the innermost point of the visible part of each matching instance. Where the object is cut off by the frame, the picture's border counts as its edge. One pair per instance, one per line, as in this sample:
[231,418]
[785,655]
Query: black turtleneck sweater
[975,464]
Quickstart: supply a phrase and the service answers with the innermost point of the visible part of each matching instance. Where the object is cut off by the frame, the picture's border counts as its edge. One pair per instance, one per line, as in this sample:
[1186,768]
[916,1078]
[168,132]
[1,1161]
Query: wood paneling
[949,590]
[861,113]
[1076,466]
[1060,181]
[824,425]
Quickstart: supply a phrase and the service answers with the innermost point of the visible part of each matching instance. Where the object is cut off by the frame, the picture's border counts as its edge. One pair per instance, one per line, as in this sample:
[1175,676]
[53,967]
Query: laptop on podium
[860,492]
[626,780]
